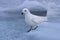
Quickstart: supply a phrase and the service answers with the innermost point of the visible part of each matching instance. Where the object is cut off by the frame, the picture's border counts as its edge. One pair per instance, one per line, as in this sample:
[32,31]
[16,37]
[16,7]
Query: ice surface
[46,31]
[13,27]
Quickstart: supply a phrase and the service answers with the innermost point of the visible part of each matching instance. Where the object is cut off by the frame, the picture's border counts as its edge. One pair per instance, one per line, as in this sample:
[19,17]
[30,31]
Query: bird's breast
[28,20]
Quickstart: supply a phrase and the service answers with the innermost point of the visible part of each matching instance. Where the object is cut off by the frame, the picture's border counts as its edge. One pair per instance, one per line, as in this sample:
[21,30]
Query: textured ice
[46,31]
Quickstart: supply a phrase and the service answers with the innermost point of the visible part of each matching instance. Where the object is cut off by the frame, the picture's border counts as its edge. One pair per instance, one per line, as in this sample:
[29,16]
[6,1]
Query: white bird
[32,20]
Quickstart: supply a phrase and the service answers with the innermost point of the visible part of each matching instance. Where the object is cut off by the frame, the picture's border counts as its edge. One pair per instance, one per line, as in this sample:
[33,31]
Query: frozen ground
[13,27]
[16,30]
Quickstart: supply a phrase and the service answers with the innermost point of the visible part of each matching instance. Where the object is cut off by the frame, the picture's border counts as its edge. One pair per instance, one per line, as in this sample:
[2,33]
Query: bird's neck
[28,14]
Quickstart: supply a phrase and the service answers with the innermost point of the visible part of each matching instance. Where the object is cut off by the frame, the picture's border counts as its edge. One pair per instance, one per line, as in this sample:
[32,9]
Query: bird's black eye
[25,10]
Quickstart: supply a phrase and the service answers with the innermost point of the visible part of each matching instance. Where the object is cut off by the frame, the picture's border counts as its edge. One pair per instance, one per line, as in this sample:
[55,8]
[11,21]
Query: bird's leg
[29,29]
[35,28]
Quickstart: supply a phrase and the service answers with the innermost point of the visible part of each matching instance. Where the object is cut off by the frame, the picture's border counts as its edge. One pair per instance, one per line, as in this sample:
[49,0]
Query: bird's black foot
[35,28]
[30,29]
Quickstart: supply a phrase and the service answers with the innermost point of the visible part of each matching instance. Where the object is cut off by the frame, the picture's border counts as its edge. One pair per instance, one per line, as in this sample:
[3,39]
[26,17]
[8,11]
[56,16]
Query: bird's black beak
[21,13]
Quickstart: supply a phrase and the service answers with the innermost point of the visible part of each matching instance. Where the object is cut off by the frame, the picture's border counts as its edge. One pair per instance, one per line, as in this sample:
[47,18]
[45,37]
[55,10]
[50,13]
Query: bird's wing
[35,20]
[39,19]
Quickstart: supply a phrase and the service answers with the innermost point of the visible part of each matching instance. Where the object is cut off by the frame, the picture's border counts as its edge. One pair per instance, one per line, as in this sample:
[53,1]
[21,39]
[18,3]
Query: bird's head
[25,11]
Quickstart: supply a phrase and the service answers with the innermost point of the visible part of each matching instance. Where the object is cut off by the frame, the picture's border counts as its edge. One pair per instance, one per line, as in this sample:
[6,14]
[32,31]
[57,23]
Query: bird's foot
[35,28]
[30,29]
